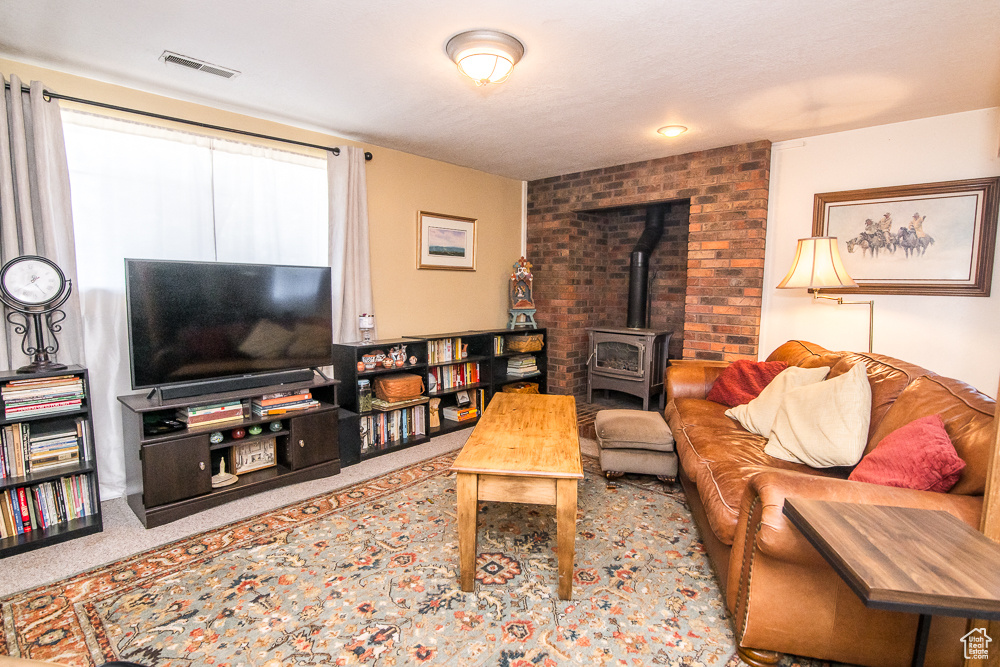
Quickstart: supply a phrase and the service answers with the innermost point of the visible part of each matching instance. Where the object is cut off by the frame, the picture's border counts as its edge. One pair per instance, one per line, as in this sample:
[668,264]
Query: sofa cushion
[968,418]
[887,377]
[743,380]
[758,415]
[916,456]
[824,424]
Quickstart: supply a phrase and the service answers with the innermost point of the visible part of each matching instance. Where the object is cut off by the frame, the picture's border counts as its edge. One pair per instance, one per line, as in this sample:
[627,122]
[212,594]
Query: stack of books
[209,415]
[52,450]
[444,350]
[25,509]
[23,452]
[522,365]
[42,396]
[457,414]
[283,402]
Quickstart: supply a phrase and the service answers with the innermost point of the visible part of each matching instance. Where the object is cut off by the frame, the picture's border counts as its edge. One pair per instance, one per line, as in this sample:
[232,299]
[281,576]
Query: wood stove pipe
[638,284]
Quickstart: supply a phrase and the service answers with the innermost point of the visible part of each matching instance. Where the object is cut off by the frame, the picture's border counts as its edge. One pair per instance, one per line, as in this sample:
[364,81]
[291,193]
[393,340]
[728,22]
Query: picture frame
[935,239]
[446,242]
[249,456]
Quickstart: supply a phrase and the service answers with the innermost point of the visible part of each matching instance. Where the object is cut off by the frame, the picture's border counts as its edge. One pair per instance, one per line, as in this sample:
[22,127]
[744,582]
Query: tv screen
[191,321]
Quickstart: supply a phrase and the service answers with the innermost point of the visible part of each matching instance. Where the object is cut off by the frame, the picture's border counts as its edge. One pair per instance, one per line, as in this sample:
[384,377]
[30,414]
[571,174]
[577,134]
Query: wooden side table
[905,559]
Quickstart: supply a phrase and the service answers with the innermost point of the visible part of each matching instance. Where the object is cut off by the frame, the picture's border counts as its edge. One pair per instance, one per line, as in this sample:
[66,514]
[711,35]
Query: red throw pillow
[916,456]
[743,380]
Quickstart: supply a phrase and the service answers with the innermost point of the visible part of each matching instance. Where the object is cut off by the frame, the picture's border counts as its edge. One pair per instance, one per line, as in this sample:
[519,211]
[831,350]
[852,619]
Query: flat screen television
[195,322]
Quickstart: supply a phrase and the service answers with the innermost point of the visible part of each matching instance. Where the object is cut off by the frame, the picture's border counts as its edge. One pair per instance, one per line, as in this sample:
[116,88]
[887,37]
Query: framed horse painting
[932,238]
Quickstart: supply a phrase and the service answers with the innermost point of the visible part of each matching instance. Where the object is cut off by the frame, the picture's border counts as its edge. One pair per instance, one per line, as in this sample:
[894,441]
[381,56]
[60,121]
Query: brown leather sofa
[781,594]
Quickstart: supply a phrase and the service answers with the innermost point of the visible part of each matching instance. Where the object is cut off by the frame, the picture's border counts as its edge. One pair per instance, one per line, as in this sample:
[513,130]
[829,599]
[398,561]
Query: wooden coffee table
[525,449]
[905,559]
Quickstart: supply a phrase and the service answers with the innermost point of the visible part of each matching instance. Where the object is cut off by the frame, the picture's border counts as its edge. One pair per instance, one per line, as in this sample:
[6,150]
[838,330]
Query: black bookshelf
[51,524]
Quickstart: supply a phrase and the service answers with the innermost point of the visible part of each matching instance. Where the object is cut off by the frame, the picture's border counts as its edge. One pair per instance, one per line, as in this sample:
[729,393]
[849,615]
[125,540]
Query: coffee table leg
[920,645]
[566,534]
[468,505]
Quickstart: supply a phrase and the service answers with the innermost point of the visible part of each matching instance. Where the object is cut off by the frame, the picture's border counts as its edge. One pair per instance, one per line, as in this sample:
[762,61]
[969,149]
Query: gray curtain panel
[349,254]
[35,212]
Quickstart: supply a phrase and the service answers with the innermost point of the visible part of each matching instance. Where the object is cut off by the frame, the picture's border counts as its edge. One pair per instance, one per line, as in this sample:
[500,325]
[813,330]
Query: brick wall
[581,230]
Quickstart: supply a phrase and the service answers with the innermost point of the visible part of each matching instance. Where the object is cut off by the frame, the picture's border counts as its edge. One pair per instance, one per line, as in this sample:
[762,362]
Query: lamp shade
[485,56]
[817,265]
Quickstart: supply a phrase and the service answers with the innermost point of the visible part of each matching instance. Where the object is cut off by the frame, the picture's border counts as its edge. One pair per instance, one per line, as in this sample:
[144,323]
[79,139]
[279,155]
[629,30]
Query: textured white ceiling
[596,80]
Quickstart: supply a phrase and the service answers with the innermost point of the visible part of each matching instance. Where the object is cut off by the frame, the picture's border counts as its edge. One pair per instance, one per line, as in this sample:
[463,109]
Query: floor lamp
[818,266]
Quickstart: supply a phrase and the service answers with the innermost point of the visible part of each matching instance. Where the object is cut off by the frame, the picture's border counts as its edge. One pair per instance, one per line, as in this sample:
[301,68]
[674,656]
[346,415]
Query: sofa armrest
[763,526]
[778,538]
[692,379]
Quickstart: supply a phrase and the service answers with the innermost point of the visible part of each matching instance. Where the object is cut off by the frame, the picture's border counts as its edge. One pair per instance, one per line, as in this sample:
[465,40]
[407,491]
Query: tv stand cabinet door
[312,439]
[176,469]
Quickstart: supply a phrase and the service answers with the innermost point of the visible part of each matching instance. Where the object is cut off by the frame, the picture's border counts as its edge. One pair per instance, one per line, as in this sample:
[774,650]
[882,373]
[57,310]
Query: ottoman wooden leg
[666,479]
[611,474]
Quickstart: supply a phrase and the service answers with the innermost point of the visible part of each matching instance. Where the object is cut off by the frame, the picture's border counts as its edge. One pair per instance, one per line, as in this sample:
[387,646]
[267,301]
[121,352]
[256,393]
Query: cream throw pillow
[757,415]
[826,424]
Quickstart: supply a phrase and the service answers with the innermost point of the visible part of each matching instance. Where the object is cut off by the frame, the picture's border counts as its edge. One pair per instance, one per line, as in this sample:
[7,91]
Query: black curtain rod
[50,95]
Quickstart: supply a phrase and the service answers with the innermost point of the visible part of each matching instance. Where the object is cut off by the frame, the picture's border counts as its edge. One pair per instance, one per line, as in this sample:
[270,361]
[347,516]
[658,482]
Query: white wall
[954,336]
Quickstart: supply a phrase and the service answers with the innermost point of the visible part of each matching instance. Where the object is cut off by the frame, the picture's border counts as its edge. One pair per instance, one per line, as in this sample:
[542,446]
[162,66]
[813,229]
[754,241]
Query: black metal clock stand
[51,316]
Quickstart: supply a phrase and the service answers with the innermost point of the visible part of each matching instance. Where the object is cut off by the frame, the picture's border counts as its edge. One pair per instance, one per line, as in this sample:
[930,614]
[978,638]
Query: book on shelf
[41,506]
[444,350]
[455,375]
[283,397]
[201,410]
[23,451]
[217,416]
[498,347]
[379,404]
[381,430]
[459,414]
[522,365]
[284,408]
[42,396]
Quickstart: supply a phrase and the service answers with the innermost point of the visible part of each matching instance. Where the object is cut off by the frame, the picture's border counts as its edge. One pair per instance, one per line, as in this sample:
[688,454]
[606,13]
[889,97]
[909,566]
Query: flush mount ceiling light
[485,56]
[672,130]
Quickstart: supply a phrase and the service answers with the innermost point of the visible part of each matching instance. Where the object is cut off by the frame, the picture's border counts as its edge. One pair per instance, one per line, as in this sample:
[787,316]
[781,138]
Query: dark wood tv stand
[168,476]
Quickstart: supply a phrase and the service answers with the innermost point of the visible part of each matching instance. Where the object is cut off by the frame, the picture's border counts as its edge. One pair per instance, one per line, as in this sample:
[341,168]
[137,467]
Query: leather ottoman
[635,441]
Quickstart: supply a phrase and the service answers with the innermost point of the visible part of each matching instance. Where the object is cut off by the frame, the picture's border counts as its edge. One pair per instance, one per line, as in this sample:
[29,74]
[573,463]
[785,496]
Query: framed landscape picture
[446,242]
[932,238]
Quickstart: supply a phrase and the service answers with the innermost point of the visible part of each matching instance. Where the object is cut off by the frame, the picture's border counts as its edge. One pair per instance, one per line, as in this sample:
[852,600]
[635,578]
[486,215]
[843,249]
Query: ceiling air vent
[200,65]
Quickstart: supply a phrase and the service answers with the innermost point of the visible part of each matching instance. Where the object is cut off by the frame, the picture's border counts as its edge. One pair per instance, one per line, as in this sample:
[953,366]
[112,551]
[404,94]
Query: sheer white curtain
[35,213]
[146,192]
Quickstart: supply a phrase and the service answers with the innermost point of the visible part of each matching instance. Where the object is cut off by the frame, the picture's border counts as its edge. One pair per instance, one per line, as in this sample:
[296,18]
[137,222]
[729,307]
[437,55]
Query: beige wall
[953,336]
[407,300]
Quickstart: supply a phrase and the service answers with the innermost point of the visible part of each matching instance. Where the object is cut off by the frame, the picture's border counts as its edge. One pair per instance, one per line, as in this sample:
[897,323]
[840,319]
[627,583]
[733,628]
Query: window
[155,193]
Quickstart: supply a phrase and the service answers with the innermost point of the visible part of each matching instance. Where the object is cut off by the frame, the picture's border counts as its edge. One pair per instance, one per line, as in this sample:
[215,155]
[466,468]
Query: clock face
[32,281]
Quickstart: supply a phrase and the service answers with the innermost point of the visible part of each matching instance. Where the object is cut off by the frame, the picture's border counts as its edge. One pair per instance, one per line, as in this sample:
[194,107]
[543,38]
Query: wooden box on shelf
[48,470]
[169,474]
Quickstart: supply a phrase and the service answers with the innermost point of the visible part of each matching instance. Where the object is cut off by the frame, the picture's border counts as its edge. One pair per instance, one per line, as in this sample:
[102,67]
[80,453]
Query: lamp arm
[840,301]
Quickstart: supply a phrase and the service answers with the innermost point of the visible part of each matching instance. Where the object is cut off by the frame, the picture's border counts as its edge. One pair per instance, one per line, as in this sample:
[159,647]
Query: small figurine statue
[522,305]
[435,418]
[223,478]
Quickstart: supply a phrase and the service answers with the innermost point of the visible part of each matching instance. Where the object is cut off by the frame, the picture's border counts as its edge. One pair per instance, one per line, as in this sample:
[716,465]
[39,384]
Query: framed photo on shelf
[462,398]
[249,456]
[931,238]
[446,242]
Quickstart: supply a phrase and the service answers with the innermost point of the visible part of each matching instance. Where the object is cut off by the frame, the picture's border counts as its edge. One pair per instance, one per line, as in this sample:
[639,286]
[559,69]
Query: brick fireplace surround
[709,264]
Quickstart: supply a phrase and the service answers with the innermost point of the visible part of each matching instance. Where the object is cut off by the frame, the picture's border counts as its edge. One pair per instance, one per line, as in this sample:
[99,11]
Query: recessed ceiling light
[672,130]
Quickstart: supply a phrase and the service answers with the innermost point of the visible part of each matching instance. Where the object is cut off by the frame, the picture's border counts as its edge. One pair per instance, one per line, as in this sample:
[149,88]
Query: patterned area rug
[368,576]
